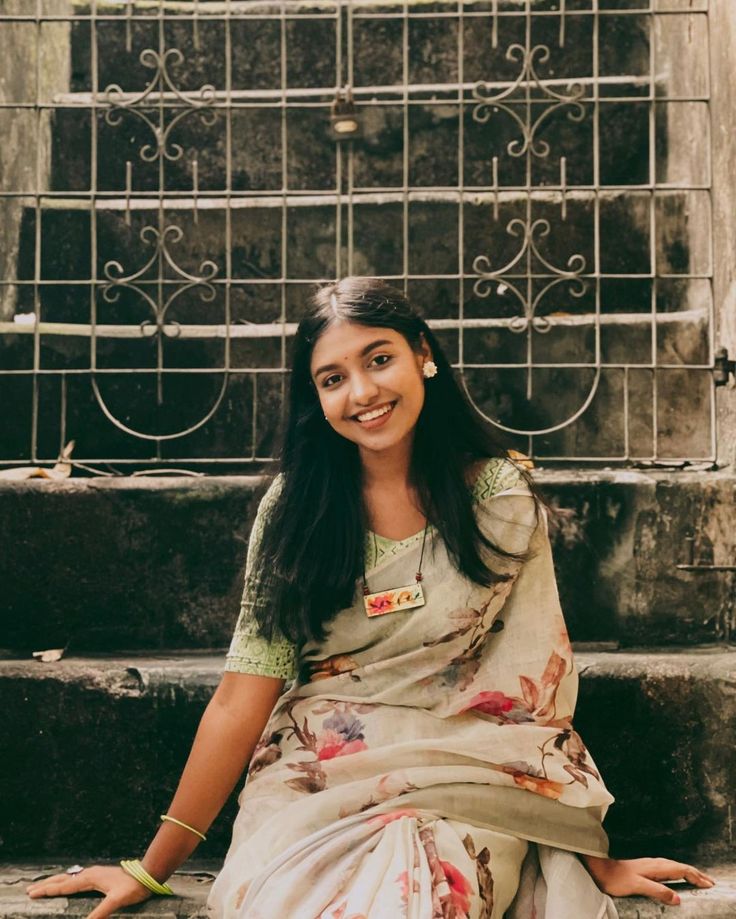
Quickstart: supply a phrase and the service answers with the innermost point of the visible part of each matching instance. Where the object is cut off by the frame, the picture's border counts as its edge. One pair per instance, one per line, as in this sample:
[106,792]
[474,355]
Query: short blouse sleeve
[499,475]
[250,652]
[506,509]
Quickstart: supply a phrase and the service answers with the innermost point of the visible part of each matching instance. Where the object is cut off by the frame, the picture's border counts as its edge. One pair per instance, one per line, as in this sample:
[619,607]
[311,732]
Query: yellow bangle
[185,825]
[136,870]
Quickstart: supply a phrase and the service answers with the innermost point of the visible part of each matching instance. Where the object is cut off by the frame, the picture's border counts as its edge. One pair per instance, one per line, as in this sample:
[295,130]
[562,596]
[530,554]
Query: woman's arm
[226,737]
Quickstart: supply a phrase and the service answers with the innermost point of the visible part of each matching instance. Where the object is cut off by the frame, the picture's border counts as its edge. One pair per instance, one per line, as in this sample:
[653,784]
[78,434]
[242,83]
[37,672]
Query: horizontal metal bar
[268,199]
[326,102]
[241,371]
[246,281]
[253,196]
[277,329]
[96,100]
[284,10]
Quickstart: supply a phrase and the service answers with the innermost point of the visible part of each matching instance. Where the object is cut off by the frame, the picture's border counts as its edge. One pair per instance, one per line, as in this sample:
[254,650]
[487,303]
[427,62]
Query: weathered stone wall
[34,65]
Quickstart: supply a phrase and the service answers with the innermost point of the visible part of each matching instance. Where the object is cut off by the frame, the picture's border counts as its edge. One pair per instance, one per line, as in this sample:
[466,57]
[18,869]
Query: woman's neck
[386,468]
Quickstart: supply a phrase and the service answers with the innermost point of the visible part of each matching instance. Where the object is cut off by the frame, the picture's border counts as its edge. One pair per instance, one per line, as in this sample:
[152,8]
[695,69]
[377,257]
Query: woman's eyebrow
[363,352]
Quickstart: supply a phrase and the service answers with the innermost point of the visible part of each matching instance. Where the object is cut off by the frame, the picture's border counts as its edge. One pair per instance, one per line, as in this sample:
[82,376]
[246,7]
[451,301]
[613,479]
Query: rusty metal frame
[527,100]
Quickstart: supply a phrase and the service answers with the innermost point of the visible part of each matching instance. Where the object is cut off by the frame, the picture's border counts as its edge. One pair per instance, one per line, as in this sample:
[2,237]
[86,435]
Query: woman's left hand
[641,877]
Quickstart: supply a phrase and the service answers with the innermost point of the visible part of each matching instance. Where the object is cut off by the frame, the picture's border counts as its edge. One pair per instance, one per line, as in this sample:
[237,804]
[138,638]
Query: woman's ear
[426,351]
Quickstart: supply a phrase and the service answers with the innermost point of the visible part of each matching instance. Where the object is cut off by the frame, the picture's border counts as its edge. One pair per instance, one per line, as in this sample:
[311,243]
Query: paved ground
[191,886]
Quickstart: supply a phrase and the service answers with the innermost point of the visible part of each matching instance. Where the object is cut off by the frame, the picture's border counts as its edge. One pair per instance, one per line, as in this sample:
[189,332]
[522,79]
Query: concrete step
[660,726]
[191,886]
[147,563]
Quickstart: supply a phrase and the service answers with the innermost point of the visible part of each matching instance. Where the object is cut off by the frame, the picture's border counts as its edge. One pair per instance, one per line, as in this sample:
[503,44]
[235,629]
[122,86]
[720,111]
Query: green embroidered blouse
[251,653]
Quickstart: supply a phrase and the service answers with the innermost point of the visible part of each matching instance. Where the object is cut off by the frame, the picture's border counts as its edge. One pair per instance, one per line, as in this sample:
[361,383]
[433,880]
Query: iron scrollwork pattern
[527,87]
[163,237]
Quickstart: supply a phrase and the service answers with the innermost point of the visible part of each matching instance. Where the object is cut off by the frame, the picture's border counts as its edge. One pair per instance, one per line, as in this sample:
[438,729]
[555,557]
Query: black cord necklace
[393,599]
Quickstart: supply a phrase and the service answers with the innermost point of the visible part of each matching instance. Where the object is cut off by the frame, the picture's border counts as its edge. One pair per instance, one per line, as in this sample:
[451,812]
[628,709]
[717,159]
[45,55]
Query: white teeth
[369,416]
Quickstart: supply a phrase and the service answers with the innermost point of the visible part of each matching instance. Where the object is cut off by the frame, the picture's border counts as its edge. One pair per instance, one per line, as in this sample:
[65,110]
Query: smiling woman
[368,382]
[423,762]
[379,438]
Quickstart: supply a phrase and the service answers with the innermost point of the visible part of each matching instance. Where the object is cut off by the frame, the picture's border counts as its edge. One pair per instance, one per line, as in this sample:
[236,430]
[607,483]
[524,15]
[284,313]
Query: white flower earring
[429,369]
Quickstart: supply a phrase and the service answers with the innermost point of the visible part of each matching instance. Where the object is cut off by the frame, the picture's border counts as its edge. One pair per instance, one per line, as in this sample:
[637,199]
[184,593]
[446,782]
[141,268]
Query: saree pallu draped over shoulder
[424,763]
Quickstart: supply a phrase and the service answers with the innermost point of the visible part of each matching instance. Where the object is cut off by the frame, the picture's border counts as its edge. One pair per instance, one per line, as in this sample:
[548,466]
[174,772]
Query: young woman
[423,762]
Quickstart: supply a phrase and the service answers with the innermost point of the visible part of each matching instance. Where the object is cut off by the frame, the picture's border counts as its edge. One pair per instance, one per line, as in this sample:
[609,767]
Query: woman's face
[370,383]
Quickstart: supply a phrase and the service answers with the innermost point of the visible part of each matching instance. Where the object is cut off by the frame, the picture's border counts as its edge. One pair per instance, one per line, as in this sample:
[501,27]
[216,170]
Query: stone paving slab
[192,884]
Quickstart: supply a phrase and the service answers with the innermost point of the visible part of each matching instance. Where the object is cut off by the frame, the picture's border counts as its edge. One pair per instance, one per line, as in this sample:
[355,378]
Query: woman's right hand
[120,888]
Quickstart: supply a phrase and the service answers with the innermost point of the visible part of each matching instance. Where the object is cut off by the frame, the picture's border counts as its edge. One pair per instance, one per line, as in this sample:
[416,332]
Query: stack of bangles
[136,870]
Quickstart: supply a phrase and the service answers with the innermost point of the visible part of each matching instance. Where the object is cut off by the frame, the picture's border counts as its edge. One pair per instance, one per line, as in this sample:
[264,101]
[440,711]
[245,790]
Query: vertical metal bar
[161,290]
[228,196]
[128,189]
[338,211]
[563,187]
[529,120]
[561,37]
[94,64]
[350,39]
[339,80]
[283,73]
[405,140]
[596,183]
[338,152]
[351,143]
[627,447]
[62,410]
[494,186]
[461,184]
[37,255]
[653,268]
[128,23]
[195,24]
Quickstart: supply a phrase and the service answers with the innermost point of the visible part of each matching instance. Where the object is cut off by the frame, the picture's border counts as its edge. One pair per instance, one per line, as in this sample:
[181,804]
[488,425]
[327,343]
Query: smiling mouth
[375,413]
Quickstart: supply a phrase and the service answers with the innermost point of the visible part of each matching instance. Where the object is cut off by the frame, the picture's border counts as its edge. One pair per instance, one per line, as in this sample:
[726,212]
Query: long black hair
[312,546]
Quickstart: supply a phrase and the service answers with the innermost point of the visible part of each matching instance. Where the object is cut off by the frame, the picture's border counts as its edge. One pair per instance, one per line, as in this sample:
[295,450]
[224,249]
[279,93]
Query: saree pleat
[424,764]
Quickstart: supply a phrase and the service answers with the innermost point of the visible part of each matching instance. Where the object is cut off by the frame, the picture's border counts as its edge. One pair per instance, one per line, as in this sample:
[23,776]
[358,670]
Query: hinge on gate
[723,367]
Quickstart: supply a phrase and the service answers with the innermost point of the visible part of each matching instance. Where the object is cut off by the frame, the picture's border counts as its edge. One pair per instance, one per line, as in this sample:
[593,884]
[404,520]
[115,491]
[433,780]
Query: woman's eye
[380,360]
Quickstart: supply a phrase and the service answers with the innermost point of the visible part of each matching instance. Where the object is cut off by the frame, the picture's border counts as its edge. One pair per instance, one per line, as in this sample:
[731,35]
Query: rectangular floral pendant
[392,601]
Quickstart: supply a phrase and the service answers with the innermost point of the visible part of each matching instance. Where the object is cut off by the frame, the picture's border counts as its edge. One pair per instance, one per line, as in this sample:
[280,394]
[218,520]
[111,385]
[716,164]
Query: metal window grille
[535,173]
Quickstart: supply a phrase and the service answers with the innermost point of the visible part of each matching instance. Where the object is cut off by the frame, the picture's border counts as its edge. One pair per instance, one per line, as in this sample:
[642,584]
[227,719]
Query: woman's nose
[363,388]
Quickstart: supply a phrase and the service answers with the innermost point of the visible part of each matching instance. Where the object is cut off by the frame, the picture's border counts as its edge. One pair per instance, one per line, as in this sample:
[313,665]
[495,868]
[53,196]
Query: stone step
[147,563]
[93,747]
[191,885]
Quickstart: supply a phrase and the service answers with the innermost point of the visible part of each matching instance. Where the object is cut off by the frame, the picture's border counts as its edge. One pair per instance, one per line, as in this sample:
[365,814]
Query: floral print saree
[424,763]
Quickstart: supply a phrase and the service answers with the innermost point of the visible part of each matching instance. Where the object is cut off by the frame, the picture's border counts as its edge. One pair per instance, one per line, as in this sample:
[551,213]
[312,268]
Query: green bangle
[136,870]
[185,825]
